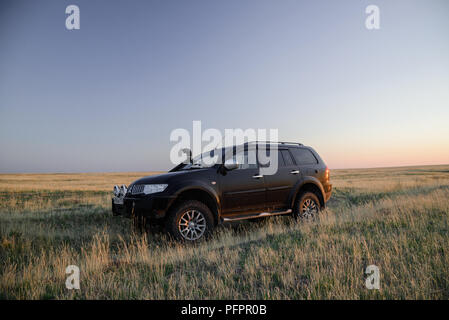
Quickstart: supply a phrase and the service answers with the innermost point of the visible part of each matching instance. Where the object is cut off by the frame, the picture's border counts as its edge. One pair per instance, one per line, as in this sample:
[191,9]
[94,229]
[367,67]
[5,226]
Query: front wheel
[190,221]
[307,206]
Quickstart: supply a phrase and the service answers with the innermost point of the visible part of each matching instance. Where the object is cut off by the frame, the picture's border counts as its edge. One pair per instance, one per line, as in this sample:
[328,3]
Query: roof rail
[274,142]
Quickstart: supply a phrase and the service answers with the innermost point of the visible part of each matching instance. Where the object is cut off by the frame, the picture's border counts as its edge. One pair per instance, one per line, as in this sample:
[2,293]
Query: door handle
[258,176]
[294,172]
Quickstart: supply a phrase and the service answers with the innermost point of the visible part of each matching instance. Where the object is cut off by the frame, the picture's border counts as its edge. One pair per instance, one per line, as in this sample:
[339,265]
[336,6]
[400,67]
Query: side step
[258,215]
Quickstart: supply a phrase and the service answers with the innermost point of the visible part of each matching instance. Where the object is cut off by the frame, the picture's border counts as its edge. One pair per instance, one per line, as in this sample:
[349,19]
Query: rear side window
[303,156]
[287,158]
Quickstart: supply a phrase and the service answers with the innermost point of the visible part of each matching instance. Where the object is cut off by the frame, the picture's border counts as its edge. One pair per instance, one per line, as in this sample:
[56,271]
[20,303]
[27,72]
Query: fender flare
[306,180]
[197,186]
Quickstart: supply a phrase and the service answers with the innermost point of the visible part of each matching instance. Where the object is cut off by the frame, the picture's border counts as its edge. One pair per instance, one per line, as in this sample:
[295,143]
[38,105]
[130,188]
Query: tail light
[327,174]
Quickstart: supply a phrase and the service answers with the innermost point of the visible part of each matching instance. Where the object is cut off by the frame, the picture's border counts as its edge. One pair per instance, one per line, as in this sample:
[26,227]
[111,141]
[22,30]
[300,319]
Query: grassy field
[395,218]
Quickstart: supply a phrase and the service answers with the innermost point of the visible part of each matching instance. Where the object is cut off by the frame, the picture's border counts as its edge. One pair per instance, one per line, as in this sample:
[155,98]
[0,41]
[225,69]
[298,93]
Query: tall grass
[395,219]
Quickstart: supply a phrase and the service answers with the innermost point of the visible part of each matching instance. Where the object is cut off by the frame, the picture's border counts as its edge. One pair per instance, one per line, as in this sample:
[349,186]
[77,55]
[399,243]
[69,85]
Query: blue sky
[107,96]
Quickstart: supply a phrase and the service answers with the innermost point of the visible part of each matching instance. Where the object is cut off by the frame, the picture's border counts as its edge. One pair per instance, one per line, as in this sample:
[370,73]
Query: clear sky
[107,96]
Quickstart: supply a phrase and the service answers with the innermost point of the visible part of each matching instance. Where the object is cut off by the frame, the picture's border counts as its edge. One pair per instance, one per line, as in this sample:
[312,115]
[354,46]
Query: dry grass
[67,181]
[394,218]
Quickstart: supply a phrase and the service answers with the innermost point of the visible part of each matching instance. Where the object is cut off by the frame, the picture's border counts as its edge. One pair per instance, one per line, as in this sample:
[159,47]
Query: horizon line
[164,171]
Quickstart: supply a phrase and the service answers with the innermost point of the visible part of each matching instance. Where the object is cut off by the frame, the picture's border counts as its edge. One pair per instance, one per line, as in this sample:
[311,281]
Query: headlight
[153,188]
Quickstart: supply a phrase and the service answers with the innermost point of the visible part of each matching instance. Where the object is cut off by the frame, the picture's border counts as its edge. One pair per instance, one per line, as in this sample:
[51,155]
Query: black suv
[192,198]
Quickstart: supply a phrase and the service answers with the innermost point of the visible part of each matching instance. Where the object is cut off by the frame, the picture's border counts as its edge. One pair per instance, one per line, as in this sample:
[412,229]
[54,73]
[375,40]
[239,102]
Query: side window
[303,156]
[288,161]
[281,162]
[246,159]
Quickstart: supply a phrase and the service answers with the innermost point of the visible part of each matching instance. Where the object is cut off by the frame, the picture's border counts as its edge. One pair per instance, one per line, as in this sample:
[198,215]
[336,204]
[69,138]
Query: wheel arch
[208,197]
[308,185]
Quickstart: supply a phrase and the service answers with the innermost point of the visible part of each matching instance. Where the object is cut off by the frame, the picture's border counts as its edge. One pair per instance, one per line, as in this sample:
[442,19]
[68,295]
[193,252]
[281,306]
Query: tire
[307,206]
[190,221]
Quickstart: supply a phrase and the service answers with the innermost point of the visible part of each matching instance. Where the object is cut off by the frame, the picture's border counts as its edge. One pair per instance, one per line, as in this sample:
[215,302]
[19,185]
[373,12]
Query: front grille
[137,188]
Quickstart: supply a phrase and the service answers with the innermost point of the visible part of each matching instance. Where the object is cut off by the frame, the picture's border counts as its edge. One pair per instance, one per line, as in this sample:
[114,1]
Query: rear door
[279,185]
[306,161]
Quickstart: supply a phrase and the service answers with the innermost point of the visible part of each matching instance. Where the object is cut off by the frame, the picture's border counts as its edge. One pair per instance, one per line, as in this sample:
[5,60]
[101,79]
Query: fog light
[116,191]
[123,190]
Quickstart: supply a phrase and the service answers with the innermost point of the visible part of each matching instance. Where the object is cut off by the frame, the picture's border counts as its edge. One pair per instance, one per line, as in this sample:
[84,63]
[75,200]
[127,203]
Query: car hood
[167,177]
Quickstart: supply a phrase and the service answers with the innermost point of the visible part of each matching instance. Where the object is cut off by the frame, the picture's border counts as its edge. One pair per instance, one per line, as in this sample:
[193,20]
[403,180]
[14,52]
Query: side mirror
[231,166]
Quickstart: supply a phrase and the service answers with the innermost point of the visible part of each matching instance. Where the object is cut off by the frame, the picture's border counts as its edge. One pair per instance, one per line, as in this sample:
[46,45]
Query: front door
[243,189]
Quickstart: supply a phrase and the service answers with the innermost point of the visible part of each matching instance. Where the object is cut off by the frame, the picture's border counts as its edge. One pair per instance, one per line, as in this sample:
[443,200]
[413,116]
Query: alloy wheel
[309,209]
[192,225]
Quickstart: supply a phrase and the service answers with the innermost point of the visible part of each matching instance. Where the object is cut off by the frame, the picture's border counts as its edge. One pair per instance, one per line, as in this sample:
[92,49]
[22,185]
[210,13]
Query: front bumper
[148,206]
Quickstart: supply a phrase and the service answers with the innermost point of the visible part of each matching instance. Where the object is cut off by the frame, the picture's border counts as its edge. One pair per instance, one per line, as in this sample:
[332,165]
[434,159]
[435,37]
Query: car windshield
[205,160]
[202,161]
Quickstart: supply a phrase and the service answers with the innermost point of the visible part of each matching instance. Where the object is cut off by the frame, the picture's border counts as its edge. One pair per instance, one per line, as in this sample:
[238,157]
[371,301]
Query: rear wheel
[307,206]
[190,221]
